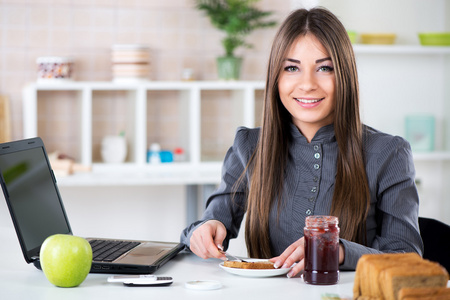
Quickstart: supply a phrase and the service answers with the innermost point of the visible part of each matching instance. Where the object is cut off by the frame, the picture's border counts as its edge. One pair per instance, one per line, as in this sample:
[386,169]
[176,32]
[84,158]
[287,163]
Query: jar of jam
[321,250]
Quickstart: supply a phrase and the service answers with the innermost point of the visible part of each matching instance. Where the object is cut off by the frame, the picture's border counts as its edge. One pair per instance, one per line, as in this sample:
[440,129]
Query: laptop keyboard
[109,250]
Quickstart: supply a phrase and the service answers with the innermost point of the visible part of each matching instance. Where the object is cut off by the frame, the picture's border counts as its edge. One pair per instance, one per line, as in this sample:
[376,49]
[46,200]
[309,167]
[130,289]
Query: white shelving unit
[136,170]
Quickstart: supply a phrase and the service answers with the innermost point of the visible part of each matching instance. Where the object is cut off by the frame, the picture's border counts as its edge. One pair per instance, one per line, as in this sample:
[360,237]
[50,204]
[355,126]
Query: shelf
[399,49]
[431,156]
[134,175]
[147,85]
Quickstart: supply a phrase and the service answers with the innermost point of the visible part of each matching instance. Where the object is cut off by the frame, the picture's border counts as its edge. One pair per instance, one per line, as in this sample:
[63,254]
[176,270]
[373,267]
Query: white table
[21,281]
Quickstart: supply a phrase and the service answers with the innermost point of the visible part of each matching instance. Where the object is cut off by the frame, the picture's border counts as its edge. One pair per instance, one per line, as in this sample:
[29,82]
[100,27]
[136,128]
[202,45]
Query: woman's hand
[204,240]
[296,253]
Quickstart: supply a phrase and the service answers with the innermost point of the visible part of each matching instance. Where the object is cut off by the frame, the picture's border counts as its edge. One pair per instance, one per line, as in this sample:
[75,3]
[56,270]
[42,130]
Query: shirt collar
[323,135]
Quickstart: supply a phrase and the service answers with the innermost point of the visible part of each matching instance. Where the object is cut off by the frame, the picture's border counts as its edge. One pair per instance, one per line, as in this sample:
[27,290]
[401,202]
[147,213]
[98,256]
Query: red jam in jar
[321,250]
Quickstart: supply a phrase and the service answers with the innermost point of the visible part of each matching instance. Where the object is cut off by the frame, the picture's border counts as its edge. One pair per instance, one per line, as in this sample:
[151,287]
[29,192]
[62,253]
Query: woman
[312,156]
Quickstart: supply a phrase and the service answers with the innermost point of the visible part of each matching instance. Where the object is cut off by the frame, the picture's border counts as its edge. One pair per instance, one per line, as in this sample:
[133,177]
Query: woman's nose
[307,82]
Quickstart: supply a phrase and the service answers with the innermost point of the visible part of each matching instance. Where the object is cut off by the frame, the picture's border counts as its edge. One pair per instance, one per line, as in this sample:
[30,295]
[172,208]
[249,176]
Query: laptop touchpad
[147,249]
[146,253]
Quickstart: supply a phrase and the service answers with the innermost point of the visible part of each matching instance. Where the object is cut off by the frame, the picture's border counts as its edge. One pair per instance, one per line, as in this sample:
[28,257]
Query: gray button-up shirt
[392,222]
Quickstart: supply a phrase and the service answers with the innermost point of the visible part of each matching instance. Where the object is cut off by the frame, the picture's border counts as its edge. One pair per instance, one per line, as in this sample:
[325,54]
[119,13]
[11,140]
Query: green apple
[66,259]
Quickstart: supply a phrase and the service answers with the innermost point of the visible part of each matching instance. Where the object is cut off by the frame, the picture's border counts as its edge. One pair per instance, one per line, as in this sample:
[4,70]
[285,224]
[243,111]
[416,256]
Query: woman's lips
[308,102]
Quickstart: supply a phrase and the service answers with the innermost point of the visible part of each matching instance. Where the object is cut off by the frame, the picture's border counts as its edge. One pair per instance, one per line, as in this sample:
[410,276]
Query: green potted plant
[237,18]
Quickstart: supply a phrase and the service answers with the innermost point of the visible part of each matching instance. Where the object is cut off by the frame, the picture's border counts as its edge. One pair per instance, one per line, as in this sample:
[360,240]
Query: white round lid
[203,285]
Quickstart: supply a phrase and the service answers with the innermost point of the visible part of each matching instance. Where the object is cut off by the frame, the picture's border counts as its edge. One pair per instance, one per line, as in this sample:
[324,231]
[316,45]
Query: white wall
[404,17]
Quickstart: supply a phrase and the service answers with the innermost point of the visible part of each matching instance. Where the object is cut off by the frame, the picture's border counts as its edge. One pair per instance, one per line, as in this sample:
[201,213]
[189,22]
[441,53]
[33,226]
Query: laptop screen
[33,198]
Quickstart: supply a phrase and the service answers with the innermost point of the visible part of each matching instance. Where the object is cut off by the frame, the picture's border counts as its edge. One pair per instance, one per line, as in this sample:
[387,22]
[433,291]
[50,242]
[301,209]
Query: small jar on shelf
[179,155]
[153,154]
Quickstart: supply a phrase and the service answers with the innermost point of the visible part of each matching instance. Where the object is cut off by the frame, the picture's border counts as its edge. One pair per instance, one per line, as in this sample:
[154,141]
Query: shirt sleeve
[227,204]
[394,205]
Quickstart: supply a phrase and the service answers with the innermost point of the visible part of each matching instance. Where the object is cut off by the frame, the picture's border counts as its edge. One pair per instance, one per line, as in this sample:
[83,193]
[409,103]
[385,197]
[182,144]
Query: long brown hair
[351,191]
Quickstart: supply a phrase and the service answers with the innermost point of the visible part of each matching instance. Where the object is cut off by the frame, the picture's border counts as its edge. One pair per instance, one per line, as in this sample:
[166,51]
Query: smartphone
[141,280]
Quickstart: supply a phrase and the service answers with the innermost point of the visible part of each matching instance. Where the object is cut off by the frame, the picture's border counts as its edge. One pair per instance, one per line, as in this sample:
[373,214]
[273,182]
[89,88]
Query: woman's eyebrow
[293,60]
[317,61]
[322,60]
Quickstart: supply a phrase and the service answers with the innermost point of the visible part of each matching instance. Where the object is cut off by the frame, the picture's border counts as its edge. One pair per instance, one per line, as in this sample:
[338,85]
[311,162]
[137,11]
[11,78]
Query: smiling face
[307,85]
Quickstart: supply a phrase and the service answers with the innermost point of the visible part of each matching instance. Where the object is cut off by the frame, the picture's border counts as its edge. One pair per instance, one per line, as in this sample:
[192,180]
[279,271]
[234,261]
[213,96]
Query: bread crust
[248,265]
[424,293]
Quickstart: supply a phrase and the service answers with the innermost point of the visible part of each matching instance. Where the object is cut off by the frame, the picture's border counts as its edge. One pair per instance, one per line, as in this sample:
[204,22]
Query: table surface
[18,280]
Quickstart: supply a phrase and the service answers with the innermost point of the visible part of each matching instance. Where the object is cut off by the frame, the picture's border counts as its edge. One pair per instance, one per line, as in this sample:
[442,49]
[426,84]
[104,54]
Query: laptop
[37,211]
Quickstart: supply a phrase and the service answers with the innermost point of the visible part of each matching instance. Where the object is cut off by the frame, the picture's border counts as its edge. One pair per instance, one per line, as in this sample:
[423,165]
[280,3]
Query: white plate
[256,272]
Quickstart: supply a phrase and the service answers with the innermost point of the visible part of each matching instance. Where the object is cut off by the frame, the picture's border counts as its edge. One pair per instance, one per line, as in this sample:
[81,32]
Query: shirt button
[308,212]
[317,155]
[316,147]
[311,199]
[315,179]
[314,189]
[316,166]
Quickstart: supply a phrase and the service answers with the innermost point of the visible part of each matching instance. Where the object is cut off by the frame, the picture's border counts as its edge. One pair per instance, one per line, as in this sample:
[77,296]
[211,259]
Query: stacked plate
[130,62]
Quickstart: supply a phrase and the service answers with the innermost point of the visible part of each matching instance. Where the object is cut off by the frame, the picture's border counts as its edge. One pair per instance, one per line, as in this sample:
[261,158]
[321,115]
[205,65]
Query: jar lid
[155,147]
[178,150]
[203,285]
[319,221]
[53,59]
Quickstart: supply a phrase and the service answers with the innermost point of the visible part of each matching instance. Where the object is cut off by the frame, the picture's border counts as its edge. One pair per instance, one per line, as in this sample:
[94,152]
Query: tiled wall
[178,36]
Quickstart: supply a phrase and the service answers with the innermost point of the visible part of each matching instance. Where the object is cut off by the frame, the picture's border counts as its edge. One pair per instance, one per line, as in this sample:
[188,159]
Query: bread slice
[382,262]
[248,265]
[382,276]
[413,274]
[424,293]
[369,267]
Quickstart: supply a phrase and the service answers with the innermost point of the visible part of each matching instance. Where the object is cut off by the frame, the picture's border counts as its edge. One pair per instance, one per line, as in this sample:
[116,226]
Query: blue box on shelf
[162,156]
[420,132]
[166,156]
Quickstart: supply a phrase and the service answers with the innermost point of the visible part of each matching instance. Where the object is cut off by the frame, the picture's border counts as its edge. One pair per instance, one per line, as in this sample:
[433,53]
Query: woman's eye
[291,68]
[326,69]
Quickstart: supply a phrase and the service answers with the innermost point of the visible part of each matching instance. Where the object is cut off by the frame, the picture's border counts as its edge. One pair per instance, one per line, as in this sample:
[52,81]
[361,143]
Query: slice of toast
[248,265]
